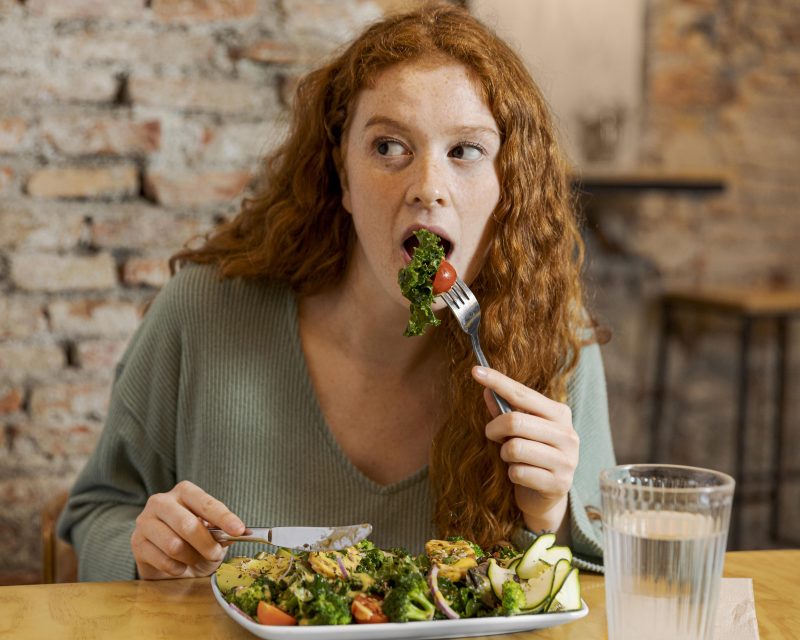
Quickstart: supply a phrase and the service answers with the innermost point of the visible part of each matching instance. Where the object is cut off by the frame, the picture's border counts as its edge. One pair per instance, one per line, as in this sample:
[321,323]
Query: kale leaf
[416,281]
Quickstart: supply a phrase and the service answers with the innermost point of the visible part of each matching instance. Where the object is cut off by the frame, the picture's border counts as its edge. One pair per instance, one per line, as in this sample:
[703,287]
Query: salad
[453,578]
[427,275]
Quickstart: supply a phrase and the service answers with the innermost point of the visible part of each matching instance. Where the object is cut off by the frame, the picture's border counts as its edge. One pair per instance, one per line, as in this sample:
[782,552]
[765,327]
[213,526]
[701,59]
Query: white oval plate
[418,630]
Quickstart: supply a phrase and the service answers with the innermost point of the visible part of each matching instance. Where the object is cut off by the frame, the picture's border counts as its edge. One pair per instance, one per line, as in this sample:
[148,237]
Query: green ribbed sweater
[213,388]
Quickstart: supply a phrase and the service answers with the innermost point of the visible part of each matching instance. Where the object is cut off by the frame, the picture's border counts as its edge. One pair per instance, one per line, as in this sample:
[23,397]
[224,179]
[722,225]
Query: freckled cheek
[374,188]
[479,200]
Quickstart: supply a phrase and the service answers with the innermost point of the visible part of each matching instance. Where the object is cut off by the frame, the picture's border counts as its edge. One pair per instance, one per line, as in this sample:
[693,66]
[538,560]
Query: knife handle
[220,536]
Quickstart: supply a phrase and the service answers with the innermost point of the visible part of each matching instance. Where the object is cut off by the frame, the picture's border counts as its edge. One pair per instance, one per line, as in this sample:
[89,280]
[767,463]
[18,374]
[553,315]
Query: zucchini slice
[527,567]
[568,597]
[497,576]
[554,554]
[537,590]
[561,570]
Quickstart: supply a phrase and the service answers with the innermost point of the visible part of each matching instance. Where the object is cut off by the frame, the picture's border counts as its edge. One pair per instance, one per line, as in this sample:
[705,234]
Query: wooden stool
[59,562]
[749,306]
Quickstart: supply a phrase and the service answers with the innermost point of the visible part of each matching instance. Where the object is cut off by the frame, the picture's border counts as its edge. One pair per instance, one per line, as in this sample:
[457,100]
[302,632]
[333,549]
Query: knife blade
[301,538]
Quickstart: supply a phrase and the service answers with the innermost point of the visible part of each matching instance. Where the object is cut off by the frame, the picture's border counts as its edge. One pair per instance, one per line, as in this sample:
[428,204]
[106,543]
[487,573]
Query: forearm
[102,543]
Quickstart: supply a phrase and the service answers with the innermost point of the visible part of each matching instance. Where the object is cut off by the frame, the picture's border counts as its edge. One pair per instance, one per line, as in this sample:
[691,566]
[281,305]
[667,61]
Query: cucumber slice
[568,597]
[497,576]
[513,564]
[537,590]
[554,554]
[527,567]
[561,570]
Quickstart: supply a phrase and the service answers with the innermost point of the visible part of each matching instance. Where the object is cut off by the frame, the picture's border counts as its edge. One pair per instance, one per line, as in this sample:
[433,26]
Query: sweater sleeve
[588,401]
[134,457]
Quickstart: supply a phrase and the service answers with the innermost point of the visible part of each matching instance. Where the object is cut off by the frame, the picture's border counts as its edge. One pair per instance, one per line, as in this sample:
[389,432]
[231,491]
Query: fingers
[153,563]
[538,442]
[195,506]
[521,397]
[208,508]
[521,425]
[171,538]
[536,454]
[543,482]
[177,547]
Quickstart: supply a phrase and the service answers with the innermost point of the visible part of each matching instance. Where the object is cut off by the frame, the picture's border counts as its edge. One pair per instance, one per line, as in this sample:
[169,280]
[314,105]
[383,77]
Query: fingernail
[480,372]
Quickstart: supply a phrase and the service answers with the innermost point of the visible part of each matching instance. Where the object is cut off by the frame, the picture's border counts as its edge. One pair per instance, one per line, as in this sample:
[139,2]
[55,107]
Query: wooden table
[186,608]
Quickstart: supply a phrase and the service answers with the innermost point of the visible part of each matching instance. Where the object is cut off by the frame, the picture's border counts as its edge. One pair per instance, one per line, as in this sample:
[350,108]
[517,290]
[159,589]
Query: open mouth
[412,242]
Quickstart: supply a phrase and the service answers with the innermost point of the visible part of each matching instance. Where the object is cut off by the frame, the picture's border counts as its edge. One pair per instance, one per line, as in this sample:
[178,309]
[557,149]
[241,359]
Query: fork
[465,308]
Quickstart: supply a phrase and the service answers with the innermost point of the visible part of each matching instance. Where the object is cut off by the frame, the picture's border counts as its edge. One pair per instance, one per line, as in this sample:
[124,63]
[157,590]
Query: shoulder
[587,394]
[589,370]
[196,303]
[200,291]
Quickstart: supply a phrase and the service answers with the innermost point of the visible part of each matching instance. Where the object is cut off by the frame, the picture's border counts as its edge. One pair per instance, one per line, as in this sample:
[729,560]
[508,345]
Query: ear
[338,162]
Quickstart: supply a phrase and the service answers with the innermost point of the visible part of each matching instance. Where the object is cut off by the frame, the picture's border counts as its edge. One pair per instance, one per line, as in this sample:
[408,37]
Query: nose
[428,186]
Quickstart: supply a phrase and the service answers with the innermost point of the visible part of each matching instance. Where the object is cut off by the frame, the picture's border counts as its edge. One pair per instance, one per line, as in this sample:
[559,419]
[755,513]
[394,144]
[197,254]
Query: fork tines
[458,294]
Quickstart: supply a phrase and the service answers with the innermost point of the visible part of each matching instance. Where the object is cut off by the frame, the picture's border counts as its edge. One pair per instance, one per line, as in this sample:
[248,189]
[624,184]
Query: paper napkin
[736,611]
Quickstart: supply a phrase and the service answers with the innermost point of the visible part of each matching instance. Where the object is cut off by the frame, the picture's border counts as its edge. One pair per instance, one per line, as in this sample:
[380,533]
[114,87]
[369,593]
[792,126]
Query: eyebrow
[385,120]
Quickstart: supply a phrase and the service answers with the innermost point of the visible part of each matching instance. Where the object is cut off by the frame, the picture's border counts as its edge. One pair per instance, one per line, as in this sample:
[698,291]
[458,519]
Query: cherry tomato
[367,609]
[445,277]
[270,614]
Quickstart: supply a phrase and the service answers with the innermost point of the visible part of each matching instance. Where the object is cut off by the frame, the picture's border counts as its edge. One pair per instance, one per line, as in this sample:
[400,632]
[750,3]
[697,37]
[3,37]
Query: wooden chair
[59,562]
[748,306]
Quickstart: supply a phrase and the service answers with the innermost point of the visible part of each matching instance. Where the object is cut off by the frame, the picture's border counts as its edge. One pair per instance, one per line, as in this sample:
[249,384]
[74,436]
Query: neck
[369,329]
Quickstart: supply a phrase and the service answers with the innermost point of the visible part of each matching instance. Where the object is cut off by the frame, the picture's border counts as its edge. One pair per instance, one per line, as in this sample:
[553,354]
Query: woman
[270,382]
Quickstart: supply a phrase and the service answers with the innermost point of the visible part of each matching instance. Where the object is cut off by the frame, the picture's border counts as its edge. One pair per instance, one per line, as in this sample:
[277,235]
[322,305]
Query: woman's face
[420,151]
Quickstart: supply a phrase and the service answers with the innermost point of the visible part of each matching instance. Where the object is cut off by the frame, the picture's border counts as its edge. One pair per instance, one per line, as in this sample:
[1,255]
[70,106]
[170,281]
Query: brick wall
[721,92]
[127,127]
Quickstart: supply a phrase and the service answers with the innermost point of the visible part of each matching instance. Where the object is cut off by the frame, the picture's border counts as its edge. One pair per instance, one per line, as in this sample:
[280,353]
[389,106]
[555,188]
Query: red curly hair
[296,230]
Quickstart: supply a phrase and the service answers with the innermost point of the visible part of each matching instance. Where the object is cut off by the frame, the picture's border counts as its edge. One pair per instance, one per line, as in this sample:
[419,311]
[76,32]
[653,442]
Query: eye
[467,151]
[390,147]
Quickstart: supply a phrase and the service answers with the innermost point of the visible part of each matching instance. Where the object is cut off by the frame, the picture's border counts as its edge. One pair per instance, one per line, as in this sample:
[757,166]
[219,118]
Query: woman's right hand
[171,538]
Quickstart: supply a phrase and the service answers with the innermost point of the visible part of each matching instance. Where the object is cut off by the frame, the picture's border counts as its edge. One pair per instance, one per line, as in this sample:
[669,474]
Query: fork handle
[476,347]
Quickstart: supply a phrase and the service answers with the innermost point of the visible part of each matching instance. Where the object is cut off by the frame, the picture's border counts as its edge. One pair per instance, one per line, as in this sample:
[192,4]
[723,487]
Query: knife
[301,538]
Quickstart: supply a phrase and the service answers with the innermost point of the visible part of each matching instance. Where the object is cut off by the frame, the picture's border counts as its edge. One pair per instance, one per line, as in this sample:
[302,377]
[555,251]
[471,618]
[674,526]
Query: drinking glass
[665,528]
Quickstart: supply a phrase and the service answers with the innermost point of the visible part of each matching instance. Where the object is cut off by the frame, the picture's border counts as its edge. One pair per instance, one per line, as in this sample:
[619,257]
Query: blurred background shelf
[596,180]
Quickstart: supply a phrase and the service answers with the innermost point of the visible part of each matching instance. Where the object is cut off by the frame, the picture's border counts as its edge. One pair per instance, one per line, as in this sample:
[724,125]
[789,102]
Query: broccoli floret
[247,598]
[478,551]
[409,600]
[371,561]
[386,567]
[327,603]
[290,598]
[513,600]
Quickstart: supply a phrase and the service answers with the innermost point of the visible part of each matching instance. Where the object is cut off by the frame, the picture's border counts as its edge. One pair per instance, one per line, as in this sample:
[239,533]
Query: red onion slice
[438,598]
[288,568]
[339,561]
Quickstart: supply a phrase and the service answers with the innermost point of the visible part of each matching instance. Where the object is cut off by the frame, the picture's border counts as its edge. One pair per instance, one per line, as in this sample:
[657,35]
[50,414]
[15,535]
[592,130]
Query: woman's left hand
[538,443]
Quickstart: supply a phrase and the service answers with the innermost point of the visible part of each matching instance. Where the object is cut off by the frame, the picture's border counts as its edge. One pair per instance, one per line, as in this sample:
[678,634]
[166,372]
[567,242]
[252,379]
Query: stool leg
[741,428]
[777,430]
[660,380]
